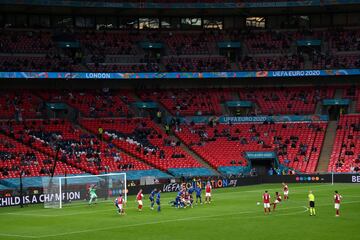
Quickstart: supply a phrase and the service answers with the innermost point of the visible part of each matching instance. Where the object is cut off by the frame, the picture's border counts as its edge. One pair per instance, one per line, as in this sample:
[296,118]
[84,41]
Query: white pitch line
[17,236]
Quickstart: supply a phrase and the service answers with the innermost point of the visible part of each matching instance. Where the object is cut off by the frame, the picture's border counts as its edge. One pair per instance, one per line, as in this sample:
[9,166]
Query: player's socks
[158,209]
[314,211]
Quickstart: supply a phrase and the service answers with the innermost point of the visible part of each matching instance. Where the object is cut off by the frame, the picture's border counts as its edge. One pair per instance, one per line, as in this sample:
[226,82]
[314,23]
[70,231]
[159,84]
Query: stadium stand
[288,100]
[345,154]
[189,102]
[142,138]
[93,103]
[77,148]
[191,50]
[297,145]
[20,104]
[17,156]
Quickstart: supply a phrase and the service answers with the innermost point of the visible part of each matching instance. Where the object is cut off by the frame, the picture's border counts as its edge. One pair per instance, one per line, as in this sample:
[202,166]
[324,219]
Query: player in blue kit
[158,201]
[152,198]
[191,190]
[198,194]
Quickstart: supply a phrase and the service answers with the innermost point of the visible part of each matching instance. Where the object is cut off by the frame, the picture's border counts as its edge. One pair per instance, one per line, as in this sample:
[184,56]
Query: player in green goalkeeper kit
[92,193]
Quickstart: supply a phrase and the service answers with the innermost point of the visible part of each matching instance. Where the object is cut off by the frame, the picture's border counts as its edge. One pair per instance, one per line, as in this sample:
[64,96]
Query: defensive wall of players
[12,199]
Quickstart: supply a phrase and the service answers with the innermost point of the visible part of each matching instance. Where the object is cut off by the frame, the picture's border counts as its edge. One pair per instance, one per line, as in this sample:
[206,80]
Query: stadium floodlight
[86,189]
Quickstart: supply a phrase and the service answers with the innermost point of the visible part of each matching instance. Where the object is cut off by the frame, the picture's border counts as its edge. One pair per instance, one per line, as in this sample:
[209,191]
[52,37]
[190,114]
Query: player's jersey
[158,197]
[208,188]
[266,198]
[139,196]
[286,188]
[152,195]
[92,191]
[119,200]
[278,198]
[337,198]
[198,191]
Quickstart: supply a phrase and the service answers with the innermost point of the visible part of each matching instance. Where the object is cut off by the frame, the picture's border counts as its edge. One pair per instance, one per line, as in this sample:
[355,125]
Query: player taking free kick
[277,200]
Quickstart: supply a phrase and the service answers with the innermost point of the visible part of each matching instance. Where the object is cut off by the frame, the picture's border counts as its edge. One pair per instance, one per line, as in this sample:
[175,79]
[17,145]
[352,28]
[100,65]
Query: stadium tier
[178,50]
[101,103]
[79,149]
[190,102]
[297,144]
[294,100]
[17,156]
[143,139]
[345,154]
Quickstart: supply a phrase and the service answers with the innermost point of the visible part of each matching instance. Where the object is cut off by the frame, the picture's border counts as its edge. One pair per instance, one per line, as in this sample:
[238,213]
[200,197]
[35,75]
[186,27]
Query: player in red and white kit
[286,191]
[139,198]
[266,200]
[277,200]
[337,201]
[208,193]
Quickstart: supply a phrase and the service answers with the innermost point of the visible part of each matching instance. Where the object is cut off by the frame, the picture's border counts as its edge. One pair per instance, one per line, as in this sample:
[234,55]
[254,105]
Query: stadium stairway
[318,107]
[352,107]
[327,147]
[339,93]
[207,170]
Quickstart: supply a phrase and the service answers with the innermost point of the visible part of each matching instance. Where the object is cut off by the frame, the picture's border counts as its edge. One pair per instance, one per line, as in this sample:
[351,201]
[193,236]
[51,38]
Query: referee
[312,203]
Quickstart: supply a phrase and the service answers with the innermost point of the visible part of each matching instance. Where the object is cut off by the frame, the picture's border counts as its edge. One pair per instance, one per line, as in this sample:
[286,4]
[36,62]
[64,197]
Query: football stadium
[189,119]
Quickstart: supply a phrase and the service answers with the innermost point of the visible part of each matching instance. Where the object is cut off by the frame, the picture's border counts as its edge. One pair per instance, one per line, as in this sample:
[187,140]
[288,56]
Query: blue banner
[332,102]
[239,104]
[282,118]
[179,5]
[260,155]
[148,45]
[229,44]
[237,120]
[146,104]
[180,75]
[314,42]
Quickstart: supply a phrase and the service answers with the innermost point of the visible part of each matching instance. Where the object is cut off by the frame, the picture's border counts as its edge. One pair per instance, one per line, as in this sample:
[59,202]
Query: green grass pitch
[233,214]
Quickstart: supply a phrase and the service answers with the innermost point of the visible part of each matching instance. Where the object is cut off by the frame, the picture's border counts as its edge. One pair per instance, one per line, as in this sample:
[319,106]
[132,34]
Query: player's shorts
[276,201]
[266,205]
[337,206]
[312,204]
[119,206]
[286,193]
[207,194]
[93,196]
[140,202]
[151,199]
